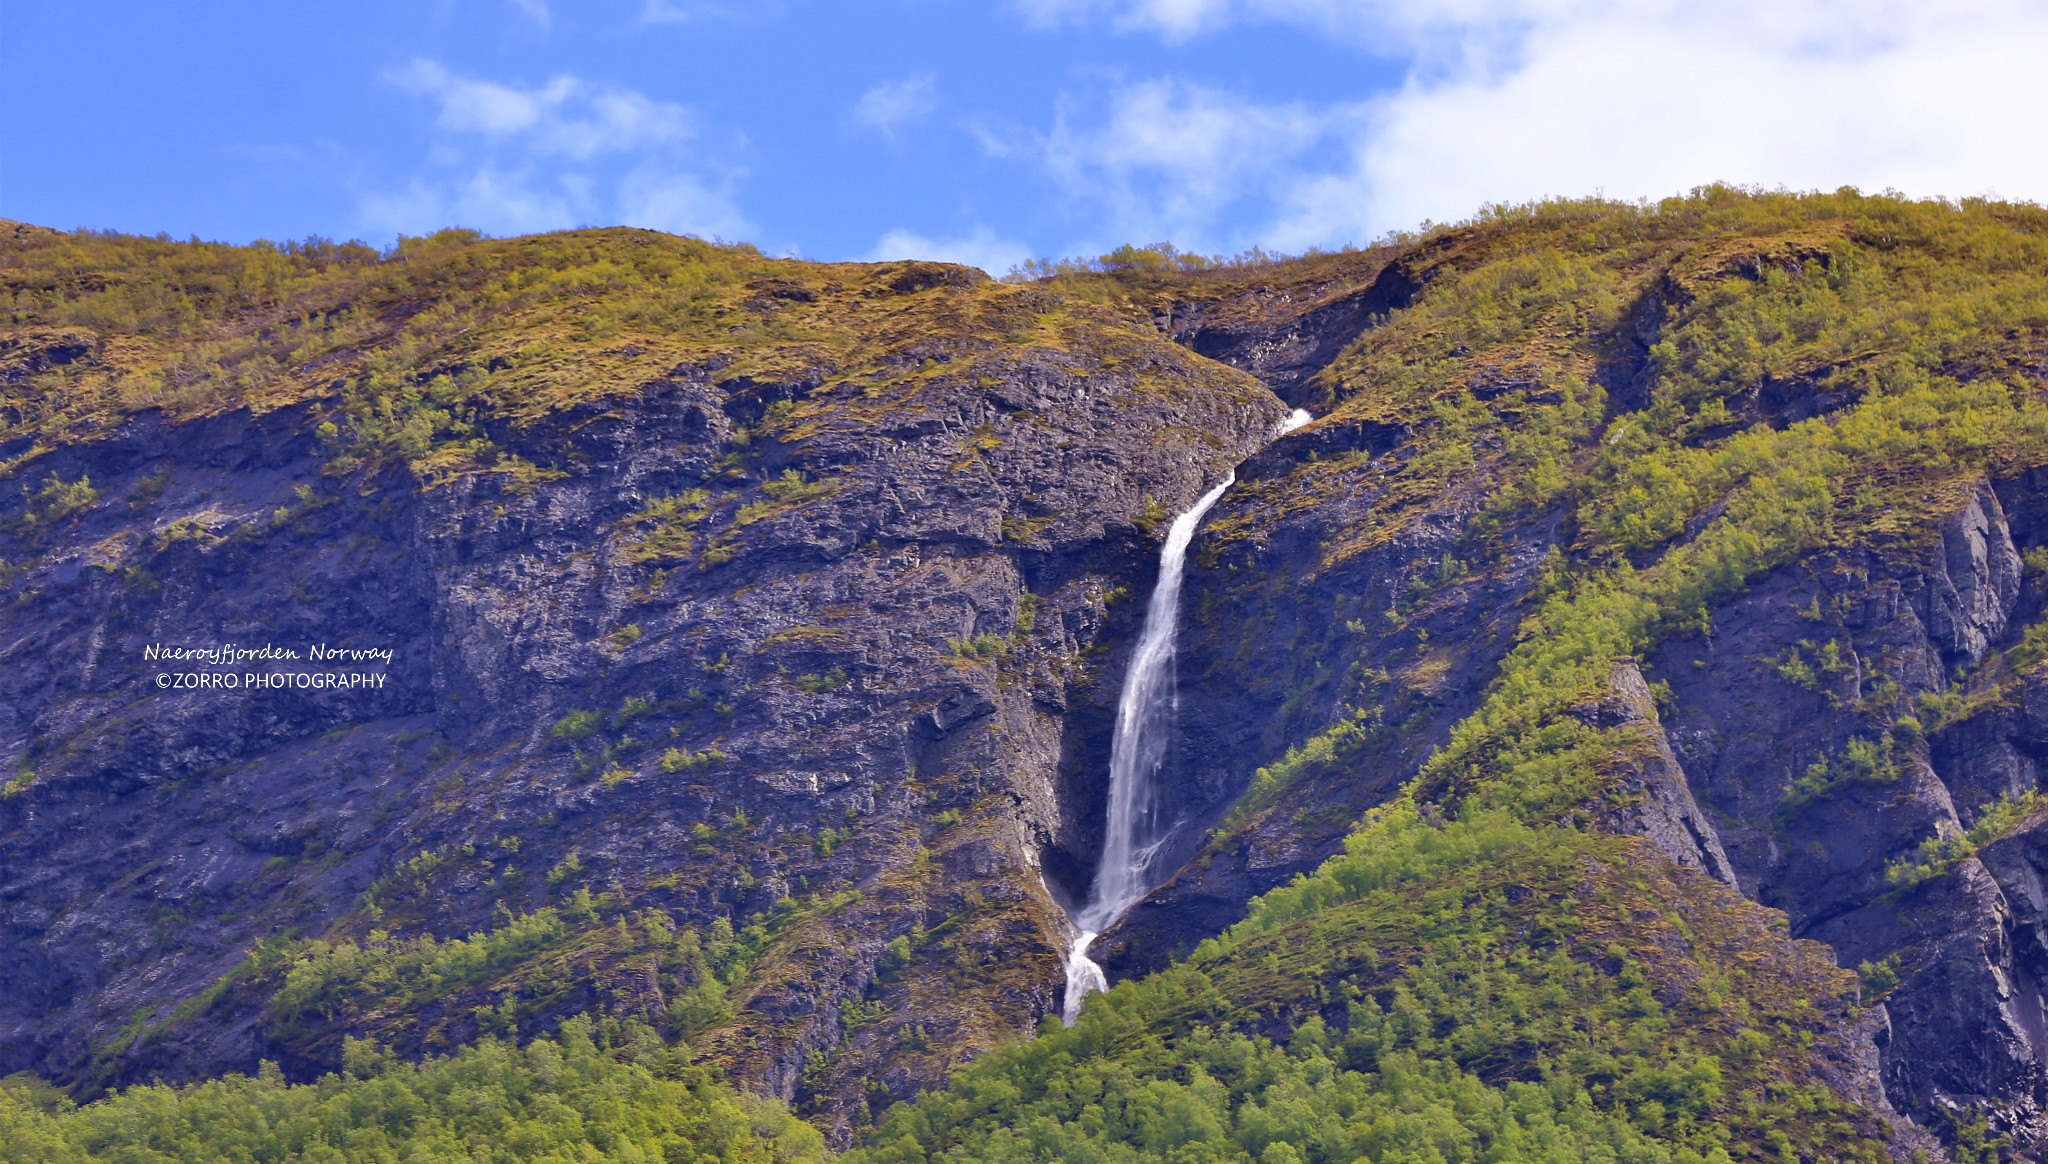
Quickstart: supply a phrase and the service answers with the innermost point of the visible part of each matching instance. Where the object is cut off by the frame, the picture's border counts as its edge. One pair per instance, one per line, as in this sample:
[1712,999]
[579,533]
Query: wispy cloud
[1167,159]
[894,105]
[1520,99]
[513,158]
[535,10]
[694,11]
[682,203]
[566,116]
[980,247]
[1175,18]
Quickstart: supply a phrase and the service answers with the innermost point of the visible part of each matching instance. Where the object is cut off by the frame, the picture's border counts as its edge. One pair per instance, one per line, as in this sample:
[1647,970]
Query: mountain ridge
[862,540]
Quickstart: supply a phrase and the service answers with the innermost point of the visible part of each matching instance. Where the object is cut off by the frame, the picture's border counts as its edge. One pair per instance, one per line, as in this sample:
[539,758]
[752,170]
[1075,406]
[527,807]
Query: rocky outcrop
[1787,724]
[854,632]
[1285,344]
[1656,802]
[1973,580]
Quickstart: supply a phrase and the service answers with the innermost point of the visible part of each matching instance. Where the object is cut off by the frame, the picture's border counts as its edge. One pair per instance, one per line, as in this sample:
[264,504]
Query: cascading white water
[1134,830]
[1144,719]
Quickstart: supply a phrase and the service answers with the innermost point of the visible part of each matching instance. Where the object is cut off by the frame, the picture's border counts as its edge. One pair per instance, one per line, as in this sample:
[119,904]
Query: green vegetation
[1027,616]
[1480,974]
[978,648]
[1862,761]
[59,499]
[662,530]
[676,760]
[22,779]
[819,684]
[594,1092]
[1434,1013]
[411,349]
[1937,855]
[577,725]
[593,953]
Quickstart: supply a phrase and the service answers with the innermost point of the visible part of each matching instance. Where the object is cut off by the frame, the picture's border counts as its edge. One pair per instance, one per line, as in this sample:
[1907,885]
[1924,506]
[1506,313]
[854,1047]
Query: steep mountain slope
[758,626]
[1781,453]
[775,647]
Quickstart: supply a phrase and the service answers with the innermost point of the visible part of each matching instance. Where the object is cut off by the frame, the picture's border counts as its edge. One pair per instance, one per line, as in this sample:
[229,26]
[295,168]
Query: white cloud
[1519,99]
[1180,19]
[566,116]
[981,247]
[493,199]
[682,203]
[511,159]
[1166,159]
[692,11]
[894,105]
[1906,96]
[536,11]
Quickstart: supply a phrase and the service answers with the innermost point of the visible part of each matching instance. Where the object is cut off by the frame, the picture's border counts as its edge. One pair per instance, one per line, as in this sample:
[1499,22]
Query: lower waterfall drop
[1134,831]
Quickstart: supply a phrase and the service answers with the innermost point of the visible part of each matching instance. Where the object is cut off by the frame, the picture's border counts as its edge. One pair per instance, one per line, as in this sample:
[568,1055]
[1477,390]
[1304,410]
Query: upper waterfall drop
[1135,830]
[1144,718]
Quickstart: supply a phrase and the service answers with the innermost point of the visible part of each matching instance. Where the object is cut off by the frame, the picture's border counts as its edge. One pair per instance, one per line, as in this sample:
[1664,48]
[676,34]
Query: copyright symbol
[163,680]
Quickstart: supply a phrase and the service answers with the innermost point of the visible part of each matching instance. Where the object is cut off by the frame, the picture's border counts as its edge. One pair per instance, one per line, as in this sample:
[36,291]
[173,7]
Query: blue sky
[987,132]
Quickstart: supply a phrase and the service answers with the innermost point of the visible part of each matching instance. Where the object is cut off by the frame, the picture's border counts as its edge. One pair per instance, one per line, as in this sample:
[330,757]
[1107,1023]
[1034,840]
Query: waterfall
[1136,828]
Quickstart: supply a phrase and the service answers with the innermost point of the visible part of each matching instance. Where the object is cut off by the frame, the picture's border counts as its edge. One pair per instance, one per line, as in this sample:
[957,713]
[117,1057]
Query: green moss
[819,684]
[978,648]
[662,530]
[805,633]
[786,492]
[1862,761]
[59,499]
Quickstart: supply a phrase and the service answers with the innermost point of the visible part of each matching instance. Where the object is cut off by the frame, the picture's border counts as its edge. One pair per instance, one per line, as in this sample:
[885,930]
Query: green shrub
[676,760]
[576,725]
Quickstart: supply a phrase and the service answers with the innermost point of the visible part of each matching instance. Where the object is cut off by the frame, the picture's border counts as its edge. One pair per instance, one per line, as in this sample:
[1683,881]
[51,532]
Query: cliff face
[757,629]
[1811,740]
[721,643]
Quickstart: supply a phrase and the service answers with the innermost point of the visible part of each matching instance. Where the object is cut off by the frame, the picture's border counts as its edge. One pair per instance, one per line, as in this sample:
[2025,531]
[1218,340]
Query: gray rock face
[1660,805]
[895,623]
[1784,726]
[1973,580]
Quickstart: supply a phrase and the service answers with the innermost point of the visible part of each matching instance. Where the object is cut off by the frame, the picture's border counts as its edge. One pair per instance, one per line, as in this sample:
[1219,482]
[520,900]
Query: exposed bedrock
[1788,722]
[784,636]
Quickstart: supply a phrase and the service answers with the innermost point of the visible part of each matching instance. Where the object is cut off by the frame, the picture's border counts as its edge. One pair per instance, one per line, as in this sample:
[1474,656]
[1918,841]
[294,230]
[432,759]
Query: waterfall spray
[1136,827]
